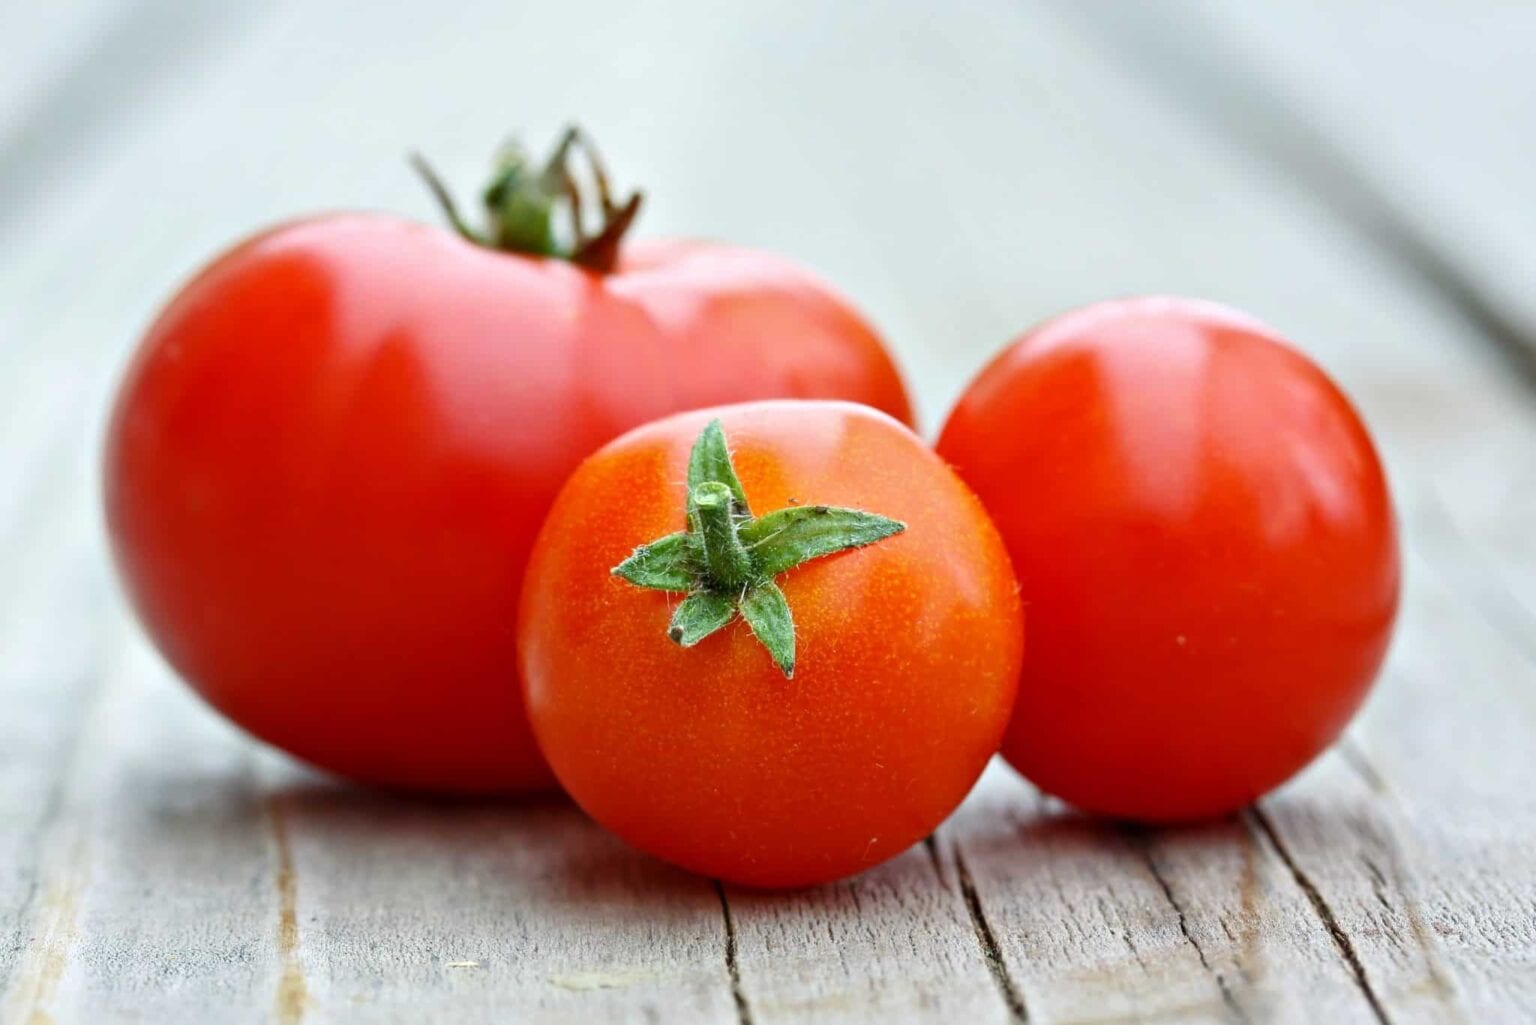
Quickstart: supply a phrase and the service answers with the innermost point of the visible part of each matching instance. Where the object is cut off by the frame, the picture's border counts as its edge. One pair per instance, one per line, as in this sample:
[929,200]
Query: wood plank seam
[52,907]
[292,997]
[732,966]
[1141,840]
[54,803]
[931,845]
[1442,980]
[1341,940]
[986,939]
[56,929]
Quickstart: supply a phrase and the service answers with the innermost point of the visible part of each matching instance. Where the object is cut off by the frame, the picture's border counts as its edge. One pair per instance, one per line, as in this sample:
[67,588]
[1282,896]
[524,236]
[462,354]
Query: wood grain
[897,942]
[1411,125]
[960,171]
[496,911]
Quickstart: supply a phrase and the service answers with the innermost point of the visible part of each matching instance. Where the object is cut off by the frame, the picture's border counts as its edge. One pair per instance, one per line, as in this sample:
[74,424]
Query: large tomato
[822,708]
[1205,542]
[330,456]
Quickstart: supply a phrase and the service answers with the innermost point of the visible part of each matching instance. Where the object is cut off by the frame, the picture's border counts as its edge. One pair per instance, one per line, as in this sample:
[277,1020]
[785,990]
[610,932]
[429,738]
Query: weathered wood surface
[960,170]
[1413,123]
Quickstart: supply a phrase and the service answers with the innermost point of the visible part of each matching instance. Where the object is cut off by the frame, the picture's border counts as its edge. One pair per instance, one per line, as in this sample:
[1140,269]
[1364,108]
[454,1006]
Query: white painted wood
[1197,924]
[45,680]
[1426,105]
[76,79]
[960,173]
[488,912]
[158,881]
[1424,856]
[55,627]
[43,44]
[896,943]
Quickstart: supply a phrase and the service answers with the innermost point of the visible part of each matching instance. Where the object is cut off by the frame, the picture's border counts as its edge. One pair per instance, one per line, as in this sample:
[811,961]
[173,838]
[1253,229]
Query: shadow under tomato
[539,848]
[1015,829]
[1041,853]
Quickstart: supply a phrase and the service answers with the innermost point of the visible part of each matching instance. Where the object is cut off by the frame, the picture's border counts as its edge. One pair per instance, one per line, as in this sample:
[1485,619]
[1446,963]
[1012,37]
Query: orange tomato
[904,653]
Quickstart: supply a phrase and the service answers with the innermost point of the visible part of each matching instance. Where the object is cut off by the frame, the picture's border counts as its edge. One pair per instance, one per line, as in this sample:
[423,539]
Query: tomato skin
[708,757]
[330,456]
[1207,550]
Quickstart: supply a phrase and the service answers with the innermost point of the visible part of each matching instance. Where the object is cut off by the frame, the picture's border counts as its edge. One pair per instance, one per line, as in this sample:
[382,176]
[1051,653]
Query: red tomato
[330,457]
[904,654]
[1206,547]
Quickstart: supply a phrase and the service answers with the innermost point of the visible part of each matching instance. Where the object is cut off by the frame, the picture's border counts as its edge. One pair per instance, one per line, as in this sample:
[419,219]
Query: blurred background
[1359,175]
[961,170]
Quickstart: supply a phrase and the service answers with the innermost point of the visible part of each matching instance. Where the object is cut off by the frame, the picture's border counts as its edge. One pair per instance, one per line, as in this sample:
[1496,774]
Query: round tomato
[779,678]
[331,454]
[1206,547]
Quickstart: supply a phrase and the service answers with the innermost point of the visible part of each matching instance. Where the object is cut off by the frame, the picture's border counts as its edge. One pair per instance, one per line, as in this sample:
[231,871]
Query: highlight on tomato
[329,458]
[1206,546]
[774,643]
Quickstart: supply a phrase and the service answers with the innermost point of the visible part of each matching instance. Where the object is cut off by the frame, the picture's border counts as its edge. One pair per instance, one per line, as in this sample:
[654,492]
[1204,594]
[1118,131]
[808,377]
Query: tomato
[1206,546]
[742,751]
[331,454]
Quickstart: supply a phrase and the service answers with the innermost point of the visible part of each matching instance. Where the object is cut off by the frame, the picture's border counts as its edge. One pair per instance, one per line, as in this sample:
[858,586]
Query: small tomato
[845,637]
[1206,546]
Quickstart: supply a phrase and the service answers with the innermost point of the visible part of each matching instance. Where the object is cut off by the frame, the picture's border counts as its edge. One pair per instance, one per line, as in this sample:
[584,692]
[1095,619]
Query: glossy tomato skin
[1206,546]
[708,757]
[330,456]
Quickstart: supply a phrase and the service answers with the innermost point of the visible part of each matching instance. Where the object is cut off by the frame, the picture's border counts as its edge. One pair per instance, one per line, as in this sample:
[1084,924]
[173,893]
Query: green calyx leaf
[787,537]
[710,463]
[766,611]
[672,563]
[699,615]
[727,559]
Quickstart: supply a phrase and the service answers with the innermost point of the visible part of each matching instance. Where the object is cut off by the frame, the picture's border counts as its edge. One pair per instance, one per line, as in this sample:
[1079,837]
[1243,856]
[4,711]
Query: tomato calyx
[523,200]
[727,559]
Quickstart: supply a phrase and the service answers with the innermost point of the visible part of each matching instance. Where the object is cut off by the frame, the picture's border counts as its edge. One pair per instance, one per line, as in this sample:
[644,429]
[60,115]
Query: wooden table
[1364,179]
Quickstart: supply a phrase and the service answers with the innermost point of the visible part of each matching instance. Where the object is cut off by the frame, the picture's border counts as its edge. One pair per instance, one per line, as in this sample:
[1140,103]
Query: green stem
[727,561]
[444,198]
[523,200]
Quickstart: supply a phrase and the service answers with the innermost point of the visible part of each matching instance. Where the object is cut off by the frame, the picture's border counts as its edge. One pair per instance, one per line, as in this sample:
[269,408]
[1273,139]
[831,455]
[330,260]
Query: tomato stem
[727,559]
[728,563]
[522,201]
